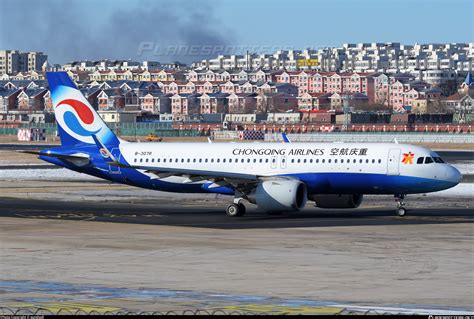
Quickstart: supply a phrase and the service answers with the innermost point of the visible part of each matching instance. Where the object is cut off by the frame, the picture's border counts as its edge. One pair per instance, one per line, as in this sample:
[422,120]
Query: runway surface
[160,255]
[191,215]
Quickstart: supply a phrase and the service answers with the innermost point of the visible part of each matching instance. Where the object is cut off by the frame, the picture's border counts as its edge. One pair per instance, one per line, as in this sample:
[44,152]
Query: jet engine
[337,200]
[279,195]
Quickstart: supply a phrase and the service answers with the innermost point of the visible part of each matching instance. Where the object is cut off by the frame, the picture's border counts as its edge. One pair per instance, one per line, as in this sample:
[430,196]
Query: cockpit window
[420,160]
[428,160]
[438,160]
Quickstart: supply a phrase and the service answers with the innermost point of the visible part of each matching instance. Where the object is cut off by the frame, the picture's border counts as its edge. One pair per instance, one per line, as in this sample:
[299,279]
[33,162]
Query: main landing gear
[236,209]
[401,211]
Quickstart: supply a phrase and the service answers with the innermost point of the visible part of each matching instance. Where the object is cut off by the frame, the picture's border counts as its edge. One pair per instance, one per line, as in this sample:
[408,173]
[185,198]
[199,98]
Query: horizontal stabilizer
[79,159]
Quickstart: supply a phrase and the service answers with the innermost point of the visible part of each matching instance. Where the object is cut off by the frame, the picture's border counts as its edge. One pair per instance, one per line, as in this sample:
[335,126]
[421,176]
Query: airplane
[276,177]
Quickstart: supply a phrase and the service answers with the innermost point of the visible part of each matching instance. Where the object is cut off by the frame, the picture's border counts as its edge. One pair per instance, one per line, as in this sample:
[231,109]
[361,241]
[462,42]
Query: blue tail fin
[76,118]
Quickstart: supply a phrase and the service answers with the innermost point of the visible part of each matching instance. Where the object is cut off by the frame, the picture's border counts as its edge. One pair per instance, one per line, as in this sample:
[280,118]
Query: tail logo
[81,120]
[78,119]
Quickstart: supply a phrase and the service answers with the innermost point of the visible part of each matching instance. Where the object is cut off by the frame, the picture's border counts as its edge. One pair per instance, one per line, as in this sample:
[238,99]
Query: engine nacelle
[337,200]
[279,195]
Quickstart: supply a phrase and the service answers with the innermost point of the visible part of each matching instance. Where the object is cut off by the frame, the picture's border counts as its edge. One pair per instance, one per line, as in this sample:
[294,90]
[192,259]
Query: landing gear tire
[235,210]
[401,211]
[242,209]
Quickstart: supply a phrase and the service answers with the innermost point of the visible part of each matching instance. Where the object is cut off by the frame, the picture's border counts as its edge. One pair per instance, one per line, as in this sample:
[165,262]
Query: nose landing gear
[401,211]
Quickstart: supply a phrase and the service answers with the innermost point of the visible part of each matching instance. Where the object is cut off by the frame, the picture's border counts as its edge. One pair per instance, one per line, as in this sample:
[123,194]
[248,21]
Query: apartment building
[433,63]
[13,61]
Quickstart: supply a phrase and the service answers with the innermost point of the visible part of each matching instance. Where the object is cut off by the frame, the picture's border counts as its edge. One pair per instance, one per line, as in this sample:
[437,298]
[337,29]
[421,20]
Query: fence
[7,311]
[123,129]
[225,135]
[374,137]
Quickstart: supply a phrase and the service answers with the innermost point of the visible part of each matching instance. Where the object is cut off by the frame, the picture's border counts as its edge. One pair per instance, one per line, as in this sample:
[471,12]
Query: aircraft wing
[162,172]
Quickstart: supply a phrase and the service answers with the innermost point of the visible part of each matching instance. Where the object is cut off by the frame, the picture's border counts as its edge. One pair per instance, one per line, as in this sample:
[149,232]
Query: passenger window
[205,160]
[311,160]
[367,161]
[354,161]
[329,160]
[182,160]
[255,160]
[141,160]
[360,161]
[135,160]
[323,160]
[266,160]
[283,160]
[242,160]
[230,160]
[189,160]
[373,161]
[317,160]
[299,160]
[212,160]
[164,160]
[304,161]
[194,160]
[200,160]
[380,161]
[420,160]
[223,160]
[428,160]
[292,160]
[261,160]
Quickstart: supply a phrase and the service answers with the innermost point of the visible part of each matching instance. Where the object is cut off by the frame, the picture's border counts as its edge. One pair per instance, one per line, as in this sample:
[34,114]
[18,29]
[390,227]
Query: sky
[189,30]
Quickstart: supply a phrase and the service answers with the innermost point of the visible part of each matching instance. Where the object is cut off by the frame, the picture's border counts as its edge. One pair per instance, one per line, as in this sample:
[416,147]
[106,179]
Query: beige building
[118,117]
[13,61]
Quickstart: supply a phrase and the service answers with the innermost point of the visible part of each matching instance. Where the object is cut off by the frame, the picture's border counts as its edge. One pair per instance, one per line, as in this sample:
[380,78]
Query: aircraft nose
[453,175]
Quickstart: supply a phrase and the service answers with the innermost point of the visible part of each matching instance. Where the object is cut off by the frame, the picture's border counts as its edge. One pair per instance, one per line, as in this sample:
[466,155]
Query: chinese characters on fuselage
[335,151]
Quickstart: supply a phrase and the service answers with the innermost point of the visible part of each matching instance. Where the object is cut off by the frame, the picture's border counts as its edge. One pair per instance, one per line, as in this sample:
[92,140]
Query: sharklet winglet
[101,146]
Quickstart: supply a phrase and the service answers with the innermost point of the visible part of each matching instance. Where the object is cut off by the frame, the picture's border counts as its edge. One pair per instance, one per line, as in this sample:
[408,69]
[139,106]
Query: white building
[433,63]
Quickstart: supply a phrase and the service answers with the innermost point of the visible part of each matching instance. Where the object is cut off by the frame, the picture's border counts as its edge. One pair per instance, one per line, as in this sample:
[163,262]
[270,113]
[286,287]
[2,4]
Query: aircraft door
[393,162]
[112,168]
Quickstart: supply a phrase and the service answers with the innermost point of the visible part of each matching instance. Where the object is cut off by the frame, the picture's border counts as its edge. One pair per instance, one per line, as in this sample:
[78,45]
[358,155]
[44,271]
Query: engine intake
[279,195]
[337,200]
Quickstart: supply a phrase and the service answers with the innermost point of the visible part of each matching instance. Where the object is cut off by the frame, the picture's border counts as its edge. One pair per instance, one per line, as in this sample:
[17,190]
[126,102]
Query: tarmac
[81,244]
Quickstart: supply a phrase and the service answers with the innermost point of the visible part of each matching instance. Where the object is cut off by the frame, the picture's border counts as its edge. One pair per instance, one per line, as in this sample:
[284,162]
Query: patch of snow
[460,190]
[465,167]
[60,174]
